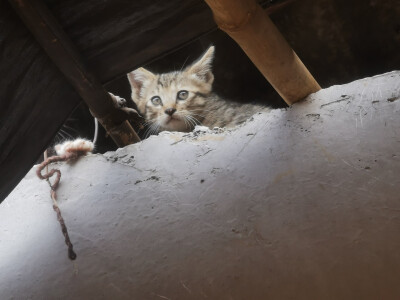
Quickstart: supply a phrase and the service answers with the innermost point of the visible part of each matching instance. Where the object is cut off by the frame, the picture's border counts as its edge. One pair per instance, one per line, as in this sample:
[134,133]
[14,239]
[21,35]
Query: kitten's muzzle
[170,111]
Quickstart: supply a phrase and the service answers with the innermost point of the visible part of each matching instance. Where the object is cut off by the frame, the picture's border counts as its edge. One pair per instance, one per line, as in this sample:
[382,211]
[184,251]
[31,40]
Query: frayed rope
[53,186]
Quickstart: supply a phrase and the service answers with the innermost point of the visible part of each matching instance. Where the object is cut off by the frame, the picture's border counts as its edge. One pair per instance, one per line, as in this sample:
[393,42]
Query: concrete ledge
[302,203]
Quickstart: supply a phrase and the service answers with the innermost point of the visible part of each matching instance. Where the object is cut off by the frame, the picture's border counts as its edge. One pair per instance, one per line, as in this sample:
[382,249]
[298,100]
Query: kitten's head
[174,101]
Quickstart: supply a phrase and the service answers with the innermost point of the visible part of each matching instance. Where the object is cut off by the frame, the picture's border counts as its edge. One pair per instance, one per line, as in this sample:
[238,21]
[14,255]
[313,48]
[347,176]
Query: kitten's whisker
[194,123]
[197,122]
[69,127]
[149,129]
[149,133]
[61,134]
[186,119]
[194,118]
[145,134]
[145,124]
[146,127]
[186,122]
[66,133]
[155,129]
[183,117]
[148,122]
[191,121]
[184,64]
[143,128]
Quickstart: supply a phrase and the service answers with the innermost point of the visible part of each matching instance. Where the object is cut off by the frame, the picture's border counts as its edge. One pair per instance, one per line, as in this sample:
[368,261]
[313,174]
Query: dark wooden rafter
[249,25]
[60,49]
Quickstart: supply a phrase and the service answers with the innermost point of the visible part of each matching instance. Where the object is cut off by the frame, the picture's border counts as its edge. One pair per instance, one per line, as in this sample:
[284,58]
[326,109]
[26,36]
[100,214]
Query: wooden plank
[249,25]
[57,45]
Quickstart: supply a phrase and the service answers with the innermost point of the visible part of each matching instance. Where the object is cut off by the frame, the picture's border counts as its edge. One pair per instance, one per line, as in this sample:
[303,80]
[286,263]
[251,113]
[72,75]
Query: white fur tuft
[79,145]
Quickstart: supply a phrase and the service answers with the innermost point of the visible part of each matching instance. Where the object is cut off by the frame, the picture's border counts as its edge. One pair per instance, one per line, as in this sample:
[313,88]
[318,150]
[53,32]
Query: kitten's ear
[202,68]
[137,79]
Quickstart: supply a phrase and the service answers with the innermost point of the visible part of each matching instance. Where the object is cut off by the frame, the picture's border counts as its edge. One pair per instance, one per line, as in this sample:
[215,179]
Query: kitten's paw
[121,102]
[124,112]
[80,146]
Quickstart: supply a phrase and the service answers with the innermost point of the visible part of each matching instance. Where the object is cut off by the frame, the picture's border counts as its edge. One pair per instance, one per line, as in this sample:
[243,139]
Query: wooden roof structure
[109,38]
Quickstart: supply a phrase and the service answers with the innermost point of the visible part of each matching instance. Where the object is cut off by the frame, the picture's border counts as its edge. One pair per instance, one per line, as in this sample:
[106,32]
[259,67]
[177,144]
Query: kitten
[180,100]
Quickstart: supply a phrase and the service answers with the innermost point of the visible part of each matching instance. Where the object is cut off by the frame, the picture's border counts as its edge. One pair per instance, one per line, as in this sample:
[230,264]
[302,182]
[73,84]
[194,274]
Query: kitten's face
[173,101]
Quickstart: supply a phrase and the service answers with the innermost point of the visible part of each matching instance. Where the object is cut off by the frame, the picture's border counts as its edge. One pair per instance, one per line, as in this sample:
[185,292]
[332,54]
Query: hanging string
[70,150]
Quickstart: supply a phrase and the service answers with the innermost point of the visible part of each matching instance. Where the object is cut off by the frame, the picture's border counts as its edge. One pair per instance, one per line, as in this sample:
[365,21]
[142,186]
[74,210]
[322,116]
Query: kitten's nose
[170,111]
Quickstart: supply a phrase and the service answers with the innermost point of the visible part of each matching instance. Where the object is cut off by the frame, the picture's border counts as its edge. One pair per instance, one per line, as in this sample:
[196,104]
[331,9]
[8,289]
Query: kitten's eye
[182,95]
[156,100]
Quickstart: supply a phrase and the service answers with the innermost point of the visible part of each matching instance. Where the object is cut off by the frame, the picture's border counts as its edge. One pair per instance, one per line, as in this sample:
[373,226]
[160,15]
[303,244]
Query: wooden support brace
[50,35]
[250,26]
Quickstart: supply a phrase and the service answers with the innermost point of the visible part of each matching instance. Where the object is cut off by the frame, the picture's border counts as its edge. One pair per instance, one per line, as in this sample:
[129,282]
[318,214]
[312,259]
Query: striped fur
[201,107]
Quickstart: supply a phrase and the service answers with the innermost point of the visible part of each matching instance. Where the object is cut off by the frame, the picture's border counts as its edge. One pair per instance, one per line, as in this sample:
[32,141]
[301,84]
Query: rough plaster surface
[302,203]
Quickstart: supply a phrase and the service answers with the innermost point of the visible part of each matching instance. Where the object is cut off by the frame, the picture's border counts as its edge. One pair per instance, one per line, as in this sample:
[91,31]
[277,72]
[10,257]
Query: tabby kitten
[180,100]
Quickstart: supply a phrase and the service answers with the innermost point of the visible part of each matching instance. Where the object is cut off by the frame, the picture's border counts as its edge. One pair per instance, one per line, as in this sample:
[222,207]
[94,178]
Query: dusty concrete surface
[302,203]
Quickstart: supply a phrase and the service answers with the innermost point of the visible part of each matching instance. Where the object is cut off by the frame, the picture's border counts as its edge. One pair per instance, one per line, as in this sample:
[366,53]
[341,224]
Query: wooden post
[62,52]
[249,25]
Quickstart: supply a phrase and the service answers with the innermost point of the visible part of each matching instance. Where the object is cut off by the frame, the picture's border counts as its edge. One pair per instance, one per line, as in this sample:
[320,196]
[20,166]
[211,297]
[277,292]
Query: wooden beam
[249,25]
[119,36]
[61,50]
